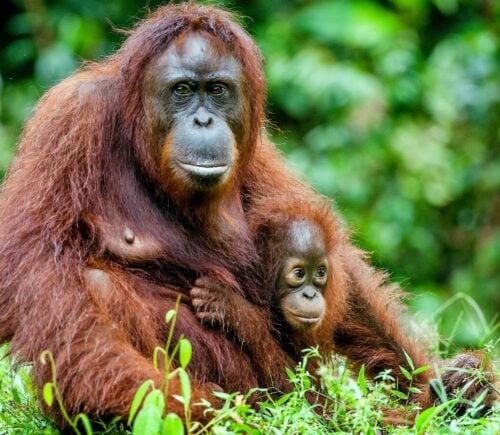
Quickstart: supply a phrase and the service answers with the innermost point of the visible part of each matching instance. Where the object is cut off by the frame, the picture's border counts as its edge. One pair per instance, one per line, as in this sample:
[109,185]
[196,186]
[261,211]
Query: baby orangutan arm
[218,305]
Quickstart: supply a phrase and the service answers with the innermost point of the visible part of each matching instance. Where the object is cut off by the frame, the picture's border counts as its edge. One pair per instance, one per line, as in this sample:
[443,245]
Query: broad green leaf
[185,352]
[138,398]
[245,428]
[185,387]
[15,395]
[290,373]
[148,422]
[422,420]
[169,316]
[48,393]
[409,360]
[155,399]
[420,370]
[439,389]
[399,394]
[172,425]
[406,373]
[429,414]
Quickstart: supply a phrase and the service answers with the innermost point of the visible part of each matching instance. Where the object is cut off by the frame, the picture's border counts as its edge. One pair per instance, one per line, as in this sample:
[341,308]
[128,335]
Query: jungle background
[391,108]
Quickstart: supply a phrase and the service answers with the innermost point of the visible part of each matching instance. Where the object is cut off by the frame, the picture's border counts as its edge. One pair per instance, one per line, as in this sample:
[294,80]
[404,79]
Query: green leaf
[245,428]
[406,373]
[185,352]
[15,395]
[399,394]
[439,389]
[185,387]
[147,422]
[423,418]
[172,425]
[429,414]
[169,316]
[86,423]
[139,396]
[48,394]
[421,370]
[362,380]
[409,360]
[155,399]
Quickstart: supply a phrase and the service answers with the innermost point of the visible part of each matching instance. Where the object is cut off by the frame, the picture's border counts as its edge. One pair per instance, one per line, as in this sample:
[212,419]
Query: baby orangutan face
[303,276]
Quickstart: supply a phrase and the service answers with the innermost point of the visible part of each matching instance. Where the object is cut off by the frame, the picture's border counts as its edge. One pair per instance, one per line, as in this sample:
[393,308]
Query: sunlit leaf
[138,398]
[185,352]
[172,425]
[48,393]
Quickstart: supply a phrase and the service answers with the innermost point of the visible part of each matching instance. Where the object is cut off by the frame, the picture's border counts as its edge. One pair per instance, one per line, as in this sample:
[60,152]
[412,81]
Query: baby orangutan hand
[214,303]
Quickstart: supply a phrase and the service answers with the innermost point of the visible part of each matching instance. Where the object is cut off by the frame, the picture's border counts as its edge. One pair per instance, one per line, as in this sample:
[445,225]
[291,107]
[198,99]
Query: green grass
[354,405]
[350,404]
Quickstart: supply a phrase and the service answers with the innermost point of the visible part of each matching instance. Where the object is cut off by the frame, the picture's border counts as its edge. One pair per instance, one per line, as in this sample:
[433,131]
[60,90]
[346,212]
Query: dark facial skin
[194,103]
[303,277]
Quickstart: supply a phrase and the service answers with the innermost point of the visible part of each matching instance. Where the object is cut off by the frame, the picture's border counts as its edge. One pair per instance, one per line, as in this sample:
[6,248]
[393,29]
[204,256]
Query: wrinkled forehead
[305,237]
[199,53]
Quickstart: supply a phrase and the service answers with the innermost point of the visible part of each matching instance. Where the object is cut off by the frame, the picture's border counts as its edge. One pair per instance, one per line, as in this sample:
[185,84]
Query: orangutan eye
[218,89]
[181,89]
[299,273]
[321,272]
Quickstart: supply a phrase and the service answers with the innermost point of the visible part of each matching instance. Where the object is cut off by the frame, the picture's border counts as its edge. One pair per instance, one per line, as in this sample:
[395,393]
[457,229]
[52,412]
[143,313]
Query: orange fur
[85,164]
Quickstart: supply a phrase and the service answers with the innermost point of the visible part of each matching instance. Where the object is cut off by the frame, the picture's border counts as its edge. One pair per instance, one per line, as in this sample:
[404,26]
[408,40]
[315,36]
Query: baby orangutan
[295,275]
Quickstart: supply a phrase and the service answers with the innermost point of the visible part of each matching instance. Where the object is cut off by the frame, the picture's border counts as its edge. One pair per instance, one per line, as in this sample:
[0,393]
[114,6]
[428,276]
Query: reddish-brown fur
[370,332]
[272,344]
[83,159]
[84,171]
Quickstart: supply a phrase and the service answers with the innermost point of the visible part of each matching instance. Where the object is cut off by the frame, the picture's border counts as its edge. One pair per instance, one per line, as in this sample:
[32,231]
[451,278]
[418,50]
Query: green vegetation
[390,107]
[352,405]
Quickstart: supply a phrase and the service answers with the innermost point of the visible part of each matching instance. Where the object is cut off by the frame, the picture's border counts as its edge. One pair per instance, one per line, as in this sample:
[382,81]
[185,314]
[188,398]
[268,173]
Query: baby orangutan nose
[310,293]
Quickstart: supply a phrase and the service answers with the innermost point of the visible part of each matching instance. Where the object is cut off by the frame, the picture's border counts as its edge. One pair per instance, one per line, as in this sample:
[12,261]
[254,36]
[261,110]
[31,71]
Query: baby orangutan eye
[299,273]
[295,277]
[321,272]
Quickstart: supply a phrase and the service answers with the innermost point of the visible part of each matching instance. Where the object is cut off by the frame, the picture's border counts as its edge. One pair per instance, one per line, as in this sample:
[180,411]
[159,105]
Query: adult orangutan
[125,188]
[135,177]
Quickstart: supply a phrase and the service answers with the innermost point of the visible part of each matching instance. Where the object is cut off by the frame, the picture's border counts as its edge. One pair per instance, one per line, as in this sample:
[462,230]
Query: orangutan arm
[372,333]
[99,362]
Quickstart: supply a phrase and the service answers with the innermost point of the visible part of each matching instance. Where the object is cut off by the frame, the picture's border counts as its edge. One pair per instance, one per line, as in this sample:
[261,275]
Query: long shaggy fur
[83,157]
[84,160]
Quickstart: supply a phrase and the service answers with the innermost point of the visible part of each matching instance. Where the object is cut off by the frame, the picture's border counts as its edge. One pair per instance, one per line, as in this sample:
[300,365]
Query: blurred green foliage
[390,107]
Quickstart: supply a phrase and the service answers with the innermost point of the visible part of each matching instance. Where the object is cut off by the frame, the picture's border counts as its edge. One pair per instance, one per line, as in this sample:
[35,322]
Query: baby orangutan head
[303,276]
